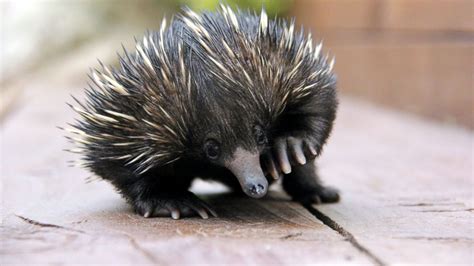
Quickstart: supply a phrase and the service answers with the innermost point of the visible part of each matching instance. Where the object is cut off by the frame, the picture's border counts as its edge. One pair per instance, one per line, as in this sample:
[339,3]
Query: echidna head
[234,136]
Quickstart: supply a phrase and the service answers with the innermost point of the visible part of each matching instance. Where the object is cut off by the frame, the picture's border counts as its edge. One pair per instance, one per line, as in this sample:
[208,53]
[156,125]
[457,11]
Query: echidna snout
[245,165]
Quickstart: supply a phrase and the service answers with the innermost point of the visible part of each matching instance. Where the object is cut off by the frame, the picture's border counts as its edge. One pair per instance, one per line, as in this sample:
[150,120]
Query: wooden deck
[407,197]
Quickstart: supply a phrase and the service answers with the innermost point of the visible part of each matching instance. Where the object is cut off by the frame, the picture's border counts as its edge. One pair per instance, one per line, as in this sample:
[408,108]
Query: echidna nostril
[257,189]
[253,189]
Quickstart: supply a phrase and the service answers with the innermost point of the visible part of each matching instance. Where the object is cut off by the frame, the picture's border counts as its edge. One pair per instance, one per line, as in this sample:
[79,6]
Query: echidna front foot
[174,205]
[304,186]
[318,195]
[289,151]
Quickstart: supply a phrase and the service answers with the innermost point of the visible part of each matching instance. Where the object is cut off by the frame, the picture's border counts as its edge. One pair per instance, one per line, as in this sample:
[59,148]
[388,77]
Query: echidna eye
[260,135]
[212,149]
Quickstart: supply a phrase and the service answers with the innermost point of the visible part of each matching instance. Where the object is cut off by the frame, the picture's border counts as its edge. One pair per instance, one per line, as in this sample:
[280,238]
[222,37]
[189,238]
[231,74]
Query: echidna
[230,96]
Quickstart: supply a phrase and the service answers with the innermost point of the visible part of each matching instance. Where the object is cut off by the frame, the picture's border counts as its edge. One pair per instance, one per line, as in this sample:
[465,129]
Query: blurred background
[411,55]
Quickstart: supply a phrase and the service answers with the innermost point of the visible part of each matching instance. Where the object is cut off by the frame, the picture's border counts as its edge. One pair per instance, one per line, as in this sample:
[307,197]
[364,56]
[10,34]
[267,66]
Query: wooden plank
[406,185]
[51,216]
[247,232]
[406,195]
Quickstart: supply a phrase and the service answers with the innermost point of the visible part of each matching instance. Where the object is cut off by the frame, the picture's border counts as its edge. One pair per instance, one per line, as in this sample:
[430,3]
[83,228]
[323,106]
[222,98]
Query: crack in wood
[462,210]
[132,240]
[289,236]
[40,224]
[343,232]
[425,204]
[454,239]
[142,250]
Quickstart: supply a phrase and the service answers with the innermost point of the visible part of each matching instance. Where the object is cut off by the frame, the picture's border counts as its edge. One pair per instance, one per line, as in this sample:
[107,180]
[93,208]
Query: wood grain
[50,215]
[407,185]
[406,197]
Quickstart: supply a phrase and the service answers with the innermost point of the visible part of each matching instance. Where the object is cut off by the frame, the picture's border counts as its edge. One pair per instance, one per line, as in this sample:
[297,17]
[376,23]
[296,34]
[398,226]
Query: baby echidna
[234,97]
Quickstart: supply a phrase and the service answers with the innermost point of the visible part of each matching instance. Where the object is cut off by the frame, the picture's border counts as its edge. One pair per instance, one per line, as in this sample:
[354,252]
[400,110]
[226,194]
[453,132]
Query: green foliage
[273,7]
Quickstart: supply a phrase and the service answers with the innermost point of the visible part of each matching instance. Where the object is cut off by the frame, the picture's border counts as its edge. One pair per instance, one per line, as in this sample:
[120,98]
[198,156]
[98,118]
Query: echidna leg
[176,205]
[304,185]
[297,141]
[294,155]
[154,195]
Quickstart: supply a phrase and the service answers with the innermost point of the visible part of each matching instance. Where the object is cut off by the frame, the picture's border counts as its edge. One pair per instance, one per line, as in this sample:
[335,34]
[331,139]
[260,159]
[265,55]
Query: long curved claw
[174,210]
[147,214]
[145,209]
[176,206]
[208,208]
[175,214]
[295,145]
[199,210]
[272,169]
[282,155]
[200,206]
[310,149]
[290,151]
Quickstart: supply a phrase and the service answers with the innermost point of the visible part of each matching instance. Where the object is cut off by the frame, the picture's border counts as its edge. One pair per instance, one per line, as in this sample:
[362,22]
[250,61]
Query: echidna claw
[295,145]
[290,151]
[174,206]
[281,153]
[318,195]
[175,214]
[271,166]
[310,149]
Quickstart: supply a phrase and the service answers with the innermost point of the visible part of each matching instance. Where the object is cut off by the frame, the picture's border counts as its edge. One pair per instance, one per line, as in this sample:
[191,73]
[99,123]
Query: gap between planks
[344,233]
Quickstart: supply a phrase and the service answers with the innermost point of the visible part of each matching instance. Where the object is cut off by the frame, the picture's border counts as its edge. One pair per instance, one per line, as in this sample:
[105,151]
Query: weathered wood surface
[406,197]
[407,186]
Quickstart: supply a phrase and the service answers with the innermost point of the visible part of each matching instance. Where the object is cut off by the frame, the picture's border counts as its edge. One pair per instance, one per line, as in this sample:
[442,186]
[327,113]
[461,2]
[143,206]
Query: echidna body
[230,96]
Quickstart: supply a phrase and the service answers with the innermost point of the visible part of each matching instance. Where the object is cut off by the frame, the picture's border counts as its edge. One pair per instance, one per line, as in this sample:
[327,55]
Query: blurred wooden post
[412,55]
